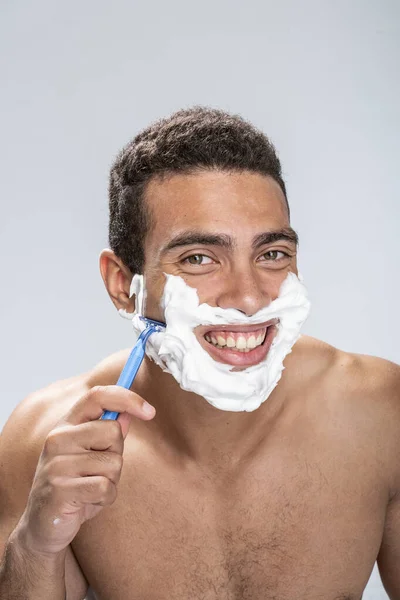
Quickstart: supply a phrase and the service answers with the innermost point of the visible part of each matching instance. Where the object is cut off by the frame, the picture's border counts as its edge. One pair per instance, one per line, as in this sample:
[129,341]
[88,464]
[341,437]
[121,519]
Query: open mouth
[239,346]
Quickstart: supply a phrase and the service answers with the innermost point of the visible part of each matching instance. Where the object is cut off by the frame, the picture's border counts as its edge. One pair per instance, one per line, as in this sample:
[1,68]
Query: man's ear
[117,279]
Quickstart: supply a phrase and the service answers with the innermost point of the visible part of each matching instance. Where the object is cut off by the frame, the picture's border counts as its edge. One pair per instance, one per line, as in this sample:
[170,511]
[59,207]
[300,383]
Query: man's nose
[244,292]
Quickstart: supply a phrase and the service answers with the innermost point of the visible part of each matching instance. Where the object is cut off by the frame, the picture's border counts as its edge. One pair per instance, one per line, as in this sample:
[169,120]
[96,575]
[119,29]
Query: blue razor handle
[134,361]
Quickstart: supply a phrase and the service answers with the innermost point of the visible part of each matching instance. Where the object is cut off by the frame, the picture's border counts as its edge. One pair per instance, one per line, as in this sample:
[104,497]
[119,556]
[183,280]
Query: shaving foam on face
[177,351]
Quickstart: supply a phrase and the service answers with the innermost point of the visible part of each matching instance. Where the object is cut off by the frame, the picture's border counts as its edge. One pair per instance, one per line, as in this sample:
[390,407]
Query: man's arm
[389,553]
[21,574]
[32,577]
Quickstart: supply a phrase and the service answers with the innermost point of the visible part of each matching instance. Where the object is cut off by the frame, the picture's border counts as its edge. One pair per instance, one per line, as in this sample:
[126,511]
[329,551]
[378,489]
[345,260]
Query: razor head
[153,322]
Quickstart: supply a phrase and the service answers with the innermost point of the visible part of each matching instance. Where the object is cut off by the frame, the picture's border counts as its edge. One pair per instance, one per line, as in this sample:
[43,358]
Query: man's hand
[78,470]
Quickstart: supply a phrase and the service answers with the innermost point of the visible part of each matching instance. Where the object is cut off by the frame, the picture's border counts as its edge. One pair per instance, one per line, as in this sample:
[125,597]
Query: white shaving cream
[177,350]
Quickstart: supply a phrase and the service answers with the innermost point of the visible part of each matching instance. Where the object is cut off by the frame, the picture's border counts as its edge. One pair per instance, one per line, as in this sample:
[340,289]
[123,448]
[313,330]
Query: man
[290,491]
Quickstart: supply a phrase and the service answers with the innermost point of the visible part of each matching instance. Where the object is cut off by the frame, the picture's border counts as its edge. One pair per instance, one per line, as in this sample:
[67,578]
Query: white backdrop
[80,78]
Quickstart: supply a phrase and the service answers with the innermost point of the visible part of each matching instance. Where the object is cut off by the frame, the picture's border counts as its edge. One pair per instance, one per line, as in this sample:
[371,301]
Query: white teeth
[230,342]
[241,343]
[251,342]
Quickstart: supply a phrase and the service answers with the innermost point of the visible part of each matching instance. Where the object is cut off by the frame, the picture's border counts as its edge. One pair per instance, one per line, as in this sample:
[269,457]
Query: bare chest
[284,528]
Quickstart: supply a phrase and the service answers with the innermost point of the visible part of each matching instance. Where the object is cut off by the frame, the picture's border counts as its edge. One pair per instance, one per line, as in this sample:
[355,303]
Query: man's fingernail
[148,409]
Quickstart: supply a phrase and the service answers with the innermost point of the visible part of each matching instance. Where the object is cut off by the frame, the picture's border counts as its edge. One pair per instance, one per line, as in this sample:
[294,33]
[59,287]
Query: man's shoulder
[364,378]
[40,411]
[352,386]
[370,388]
[350,374]
[24,433]
[359,396]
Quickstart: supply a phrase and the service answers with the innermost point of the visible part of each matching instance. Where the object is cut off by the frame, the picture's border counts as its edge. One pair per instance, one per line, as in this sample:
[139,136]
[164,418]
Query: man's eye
[274,255]
[198,259]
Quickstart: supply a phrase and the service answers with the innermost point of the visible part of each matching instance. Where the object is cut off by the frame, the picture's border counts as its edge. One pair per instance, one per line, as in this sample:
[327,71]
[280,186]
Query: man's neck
[199,432]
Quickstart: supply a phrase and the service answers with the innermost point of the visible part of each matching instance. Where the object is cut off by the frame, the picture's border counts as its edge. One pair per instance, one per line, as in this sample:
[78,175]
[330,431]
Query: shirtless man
[294,500]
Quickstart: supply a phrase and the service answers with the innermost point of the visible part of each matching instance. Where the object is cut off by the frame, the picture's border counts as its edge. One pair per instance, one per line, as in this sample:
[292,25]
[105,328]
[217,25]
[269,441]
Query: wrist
[22,547]
[31,575]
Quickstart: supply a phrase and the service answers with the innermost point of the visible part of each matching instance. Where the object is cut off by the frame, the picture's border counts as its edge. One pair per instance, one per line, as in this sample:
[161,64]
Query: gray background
[80,78]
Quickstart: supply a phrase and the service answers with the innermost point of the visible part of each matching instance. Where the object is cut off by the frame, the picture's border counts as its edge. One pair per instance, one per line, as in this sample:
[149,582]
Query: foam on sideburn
[177,351]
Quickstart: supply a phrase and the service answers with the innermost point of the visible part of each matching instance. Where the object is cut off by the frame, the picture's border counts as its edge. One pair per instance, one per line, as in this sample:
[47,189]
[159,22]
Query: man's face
[228,236]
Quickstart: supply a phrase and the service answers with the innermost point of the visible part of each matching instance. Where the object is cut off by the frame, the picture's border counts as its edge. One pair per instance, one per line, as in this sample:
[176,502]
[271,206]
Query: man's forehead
[215,198]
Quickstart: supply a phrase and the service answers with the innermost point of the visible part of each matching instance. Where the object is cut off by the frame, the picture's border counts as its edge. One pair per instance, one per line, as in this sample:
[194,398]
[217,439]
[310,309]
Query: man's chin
[241,360]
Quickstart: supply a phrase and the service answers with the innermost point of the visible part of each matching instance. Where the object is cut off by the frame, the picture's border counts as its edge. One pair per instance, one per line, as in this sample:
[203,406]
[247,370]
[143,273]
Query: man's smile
[237,345]
[243,341]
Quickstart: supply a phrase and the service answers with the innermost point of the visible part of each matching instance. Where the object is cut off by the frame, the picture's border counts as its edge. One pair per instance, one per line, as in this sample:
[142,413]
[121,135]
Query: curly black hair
[189,140]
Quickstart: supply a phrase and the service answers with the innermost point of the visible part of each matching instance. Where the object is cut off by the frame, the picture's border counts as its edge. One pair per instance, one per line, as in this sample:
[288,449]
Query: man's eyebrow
[269,237]
[188,238]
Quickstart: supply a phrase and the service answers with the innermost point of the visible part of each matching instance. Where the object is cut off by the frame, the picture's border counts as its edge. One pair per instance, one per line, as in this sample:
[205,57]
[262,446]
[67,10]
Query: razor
[135,359]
